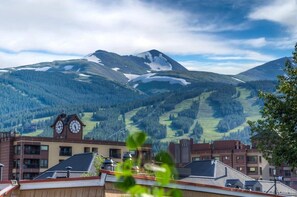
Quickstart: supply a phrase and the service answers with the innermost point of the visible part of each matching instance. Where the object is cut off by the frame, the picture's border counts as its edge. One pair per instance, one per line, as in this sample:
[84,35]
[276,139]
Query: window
[271,171]
[17,150]
[94,150]
[260,159]
[287,173]
[43,163]
[252,170]
[65,151]
[216,158]
[145,155]
[260,170]
[115,153]
[133,153]
[252,159]
[239,158]
[31,163]
[16,163]
[44,147]
[208,157]
[195,158]
[225,158]
[86,149]
[32,149]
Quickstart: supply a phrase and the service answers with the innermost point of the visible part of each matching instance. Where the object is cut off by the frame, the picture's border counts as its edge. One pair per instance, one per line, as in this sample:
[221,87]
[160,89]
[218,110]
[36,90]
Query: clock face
[59,127]
[74,126]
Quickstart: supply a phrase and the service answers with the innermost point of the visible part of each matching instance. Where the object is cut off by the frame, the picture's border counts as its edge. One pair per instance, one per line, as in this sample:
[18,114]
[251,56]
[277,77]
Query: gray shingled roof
[80,163]
[223,172]
[202,168]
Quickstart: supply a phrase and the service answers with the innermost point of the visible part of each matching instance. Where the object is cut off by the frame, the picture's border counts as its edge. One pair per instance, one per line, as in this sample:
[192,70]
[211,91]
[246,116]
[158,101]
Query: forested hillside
[115,95]
[28,94]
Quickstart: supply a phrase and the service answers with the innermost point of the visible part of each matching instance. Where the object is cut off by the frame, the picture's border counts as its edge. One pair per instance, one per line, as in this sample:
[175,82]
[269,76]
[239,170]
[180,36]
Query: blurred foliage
[163,170]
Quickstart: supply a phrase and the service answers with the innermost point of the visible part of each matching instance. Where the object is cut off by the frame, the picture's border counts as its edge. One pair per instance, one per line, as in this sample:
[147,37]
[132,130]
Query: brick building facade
[241,157]
[25,157]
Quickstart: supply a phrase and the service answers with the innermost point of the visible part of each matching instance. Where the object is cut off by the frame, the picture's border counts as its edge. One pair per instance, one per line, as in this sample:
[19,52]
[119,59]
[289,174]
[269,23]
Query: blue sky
[222,36]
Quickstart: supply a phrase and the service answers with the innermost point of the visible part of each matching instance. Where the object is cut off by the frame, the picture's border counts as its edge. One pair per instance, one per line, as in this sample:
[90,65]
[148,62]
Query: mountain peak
[267,71]
[158,61]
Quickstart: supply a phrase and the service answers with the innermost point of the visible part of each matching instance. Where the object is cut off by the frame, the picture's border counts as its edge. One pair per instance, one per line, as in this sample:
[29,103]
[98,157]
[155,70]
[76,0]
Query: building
[104,186]
[241,157]
[214,172]
[25,157]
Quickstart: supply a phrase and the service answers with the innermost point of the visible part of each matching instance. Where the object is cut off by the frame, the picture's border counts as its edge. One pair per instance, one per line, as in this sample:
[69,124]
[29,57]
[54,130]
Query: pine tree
[276,133]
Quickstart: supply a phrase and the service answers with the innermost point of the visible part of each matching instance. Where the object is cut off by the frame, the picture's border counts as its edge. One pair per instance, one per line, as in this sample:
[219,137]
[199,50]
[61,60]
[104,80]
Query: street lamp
[1,166]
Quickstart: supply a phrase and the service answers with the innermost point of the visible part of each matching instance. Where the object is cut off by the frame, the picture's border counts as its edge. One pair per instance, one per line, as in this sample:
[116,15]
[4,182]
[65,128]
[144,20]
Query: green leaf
[174,193]
[164,158]
[135,140]
[137,189]
[157,191]
[163,177]
[125,183]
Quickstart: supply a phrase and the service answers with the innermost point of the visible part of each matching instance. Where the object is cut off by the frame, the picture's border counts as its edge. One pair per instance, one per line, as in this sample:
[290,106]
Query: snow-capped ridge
[155,60]
[93,58]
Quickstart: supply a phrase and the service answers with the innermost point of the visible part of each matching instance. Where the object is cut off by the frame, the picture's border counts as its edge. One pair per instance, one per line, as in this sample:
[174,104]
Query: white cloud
[25,58]
[280,11]
[228,68]
[256,42]
[122,26]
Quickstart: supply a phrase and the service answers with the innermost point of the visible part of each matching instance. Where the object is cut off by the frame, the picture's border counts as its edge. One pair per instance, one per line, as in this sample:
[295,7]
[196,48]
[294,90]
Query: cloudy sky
[222,36]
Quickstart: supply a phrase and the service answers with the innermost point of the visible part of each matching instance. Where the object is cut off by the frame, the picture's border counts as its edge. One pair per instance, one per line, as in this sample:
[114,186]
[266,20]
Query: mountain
[267,71]
[133,66]
[148,91]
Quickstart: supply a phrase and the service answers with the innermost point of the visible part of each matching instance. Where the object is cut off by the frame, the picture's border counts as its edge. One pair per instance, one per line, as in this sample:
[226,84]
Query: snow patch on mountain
[151,77]
[4,71]
[131,76]
[26,68]
[93,58]
[83,75]
[40,69]
[69,67]
[115,69]
[157,63]
[43,69]
[238,80]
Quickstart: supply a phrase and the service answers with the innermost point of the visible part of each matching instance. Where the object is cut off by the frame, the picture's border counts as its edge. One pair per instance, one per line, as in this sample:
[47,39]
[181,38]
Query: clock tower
[68,127]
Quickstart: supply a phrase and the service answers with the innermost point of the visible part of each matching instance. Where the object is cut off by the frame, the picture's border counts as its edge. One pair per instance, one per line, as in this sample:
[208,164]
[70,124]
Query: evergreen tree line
[225,105]
[111,125]
[243,135]
[184,121]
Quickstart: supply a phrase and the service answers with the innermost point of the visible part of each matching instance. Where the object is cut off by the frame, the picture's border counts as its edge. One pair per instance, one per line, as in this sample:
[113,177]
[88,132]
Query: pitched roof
[79,163]
[223,172]
[202,168]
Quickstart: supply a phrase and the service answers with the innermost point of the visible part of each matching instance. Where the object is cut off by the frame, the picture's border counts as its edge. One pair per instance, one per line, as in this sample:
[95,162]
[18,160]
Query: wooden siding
[61,192]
